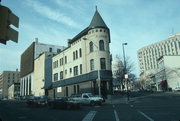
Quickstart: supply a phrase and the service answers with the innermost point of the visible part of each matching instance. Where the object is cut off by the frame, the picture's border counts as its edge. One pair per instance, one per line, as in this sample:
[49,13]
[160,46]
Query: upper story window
[80,68]
[91,47]
[65,59]
[76,54]
[50,49]
[58,50]
[101,45]
[55,76]
[92,64]
[75,70]
[103,63]
[61,75]
[80,53]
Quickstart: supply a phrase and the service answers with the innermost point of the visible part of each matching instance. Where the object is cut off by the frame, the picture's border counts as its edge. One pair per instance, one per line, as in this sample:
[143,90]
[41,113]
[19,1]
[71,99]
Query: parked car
[87,98]
[36,102]
[63,103]
[177,89]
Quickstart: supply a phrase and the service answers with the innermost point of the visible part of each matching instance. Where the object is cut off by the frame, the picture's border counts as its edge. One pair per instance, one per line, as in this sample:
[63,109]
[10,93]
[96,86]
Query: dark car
[63,103]
[36,102]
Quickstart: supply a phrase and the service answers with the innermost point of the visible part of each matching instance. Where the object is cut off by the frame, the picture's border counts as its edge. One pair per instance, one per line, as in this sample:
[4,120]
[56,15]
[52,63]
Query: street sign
[126,76]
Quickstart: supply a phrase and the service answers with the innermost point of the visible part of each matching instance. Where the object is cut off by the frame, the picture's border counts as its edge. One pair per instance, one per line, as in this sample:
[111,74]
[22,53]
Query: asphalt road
[157,107]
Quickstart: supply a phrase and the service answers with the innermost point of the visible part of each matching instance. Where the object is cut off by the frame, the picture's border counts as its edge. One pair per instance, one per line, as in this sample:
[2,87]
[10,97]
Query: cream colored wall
[11,92]
[39,66]
[86,55]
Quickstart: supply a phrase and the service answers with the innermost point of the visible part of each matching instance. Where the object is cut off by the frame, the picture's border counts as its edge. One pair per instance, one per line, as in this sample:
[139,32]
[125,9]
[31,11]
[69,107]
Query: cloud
[51,13]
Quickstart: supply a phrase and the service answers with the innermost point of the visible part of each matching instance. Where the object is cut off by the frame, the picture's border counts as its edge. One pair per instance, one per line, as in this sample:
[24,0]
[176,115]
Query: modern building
[7,78]
[148,56]
[85,65]
[27,64]
[168,74]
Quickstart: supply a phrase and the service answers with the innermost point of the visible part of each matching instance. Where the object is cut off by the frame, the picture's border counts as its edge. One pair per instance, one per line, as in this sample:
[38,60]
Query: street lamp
[125,75]
[99,79]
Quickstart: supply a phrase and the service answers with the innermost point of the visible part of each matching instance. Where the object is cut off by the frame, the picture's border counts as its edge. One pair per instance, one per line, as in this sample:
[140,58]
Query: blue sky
[137,22]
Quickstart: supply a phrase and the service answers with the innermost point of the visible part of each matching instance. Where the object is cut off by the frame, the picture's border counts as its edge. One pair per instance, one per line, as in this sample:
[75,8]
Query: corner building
[84,62]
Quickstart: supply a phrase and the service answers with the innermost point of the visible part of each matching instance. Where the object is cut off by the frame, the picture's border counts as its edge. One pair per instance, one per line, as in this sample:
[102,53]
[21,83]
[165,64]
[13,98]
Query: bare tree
[118,70]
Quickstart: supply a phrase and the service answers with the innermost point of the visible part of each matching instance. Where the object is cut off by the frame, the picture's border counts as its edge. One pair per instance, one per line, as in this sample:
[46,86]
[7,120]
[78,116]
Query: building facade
[85,65]
[27,64]
[7,78]
[148,56]
[14,91]
[42,74]
[168,74]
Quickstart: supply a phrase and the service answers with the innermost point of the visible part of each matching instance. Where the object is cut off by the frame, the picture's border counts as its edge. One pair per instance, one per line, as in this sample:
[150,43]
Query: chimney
[69,44]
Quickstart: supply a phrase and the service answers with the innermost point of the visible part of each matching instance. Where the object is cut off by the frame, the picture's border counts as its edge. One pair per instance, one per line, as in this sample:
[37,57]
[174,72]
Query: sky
[136,22]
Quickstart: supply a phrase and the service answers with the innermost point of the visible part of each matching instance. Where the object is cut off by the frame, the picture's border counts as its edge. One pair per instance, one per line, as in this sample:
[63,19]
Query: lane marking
[89,116]
[116,115]
[150,119]
[113,106]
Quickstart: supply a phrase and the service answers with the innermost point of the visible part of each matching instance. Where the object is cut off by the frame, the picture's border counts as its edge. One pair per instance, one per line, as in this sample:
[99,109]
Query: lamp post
[125,75]
[99,78]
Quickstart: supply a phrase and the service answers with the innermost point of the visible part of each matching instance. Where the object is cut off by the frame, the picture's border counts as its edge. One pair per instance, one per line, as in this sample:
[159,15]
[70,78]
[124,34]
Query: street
[155,107]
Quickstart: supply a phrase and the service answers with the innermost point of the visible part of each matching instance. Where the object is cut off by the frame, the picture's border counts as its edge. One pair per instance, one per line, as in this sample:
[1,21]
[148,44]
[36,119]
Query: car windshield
[90,95]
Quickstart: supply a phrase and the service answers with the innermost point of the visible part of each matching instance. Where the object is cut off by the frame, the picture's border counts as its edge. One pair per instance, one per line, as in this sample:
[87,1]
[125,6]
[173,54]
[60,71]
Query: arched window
[91,47]
[101,45]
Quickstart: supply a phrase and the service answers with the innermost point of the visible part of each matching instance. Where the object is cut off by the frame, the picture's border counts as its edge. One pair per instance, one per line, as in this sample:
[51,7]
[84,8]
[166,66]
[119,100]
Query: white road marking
[116,115]
[113,106]
[89,116]
[150,119]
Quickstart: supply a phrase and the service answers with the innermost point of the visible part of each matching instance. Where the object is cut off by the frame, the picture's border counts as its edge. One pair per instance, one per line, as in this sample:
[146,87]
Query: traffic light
[7,18]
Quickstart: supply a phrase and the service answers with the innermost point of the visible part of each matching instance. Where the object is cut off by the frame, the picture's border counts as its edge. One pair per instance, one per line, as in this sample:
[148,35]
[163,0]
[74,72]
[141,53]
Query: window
[74,89]
[65,71]
[78,89]
[55,76]
[101,45]
[80,53]
[61,75]
[58,50]
[92,64]
[65,59]
[76,54]
[91,47]
[62,62]
[80,68]
[103,63]
[75,70]
[50,49]
[70,70]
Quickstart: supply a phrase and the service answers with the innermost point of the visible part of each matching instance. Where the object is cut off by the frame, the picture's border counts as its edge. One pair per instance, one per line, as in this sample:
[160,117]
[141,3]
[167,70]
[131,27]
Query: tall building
[7,78]
[148,56]
[85,65]
[27,64]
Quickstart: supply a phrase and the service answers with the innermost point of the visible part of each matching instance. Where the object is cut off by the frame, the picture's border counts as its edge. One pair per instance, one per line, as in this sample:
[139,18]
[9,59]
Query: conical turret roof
[97,21]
